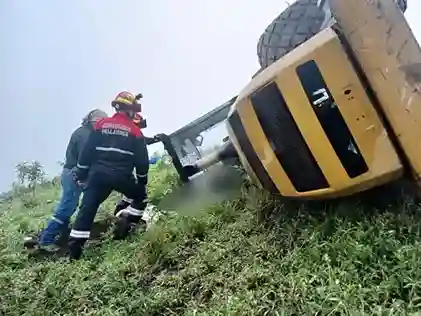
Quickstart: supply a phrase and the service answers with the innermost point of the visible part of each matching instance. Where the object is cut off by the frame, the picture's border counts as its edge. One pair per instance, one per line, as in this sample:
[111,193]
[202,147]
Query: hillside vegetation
[250,256]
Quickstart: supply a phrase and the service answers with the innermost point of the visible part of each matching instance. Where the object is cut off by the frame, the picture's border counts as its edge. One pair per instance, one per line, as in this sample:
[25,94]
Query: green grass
[251,256]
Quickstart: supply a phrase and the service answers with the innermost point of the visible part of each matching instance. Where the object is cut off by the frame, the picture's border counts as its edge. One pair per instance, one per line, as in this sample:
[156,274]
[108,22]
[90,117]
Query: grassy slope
[251,256]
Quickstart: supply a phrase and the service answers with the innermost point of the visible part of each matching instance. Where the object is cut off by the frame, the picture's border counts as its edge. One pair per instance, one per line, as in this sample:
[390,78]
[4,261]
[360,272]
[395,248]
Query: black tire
[299,22]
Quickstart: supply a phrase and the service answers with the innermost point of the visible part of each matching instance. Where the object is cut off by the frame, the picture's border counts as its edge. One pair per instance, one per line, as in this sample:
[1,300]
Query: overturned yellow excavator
[336,107]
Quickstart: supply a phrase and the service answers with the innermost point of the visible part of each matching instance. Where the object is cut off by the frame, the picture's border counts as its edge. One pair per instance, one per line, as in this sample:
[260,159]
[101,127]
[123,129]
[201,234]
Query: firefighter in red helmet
[113,151]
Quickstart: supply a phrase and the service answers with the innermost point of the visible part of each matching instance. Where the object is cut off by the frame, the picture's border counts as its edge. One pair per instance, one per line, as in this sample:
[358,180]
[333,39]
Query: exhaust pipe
[226,151]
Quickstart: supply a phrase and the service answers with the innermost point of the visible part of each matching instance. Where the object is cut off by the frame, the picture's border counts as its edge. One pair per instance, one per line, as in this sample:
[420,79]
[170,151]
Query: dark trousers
[98,189]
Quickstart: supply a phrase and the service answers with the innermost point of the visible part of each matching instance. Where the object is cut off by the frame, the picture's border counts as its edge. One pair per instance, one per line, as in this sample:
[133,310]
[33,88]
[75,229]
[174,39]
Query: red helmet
[127,101]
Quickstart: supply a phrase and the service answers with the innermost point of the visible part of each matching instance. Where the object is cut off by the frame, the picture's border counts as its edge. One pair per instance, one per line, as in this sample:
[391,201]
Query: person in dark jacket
[71,190]
[114,149]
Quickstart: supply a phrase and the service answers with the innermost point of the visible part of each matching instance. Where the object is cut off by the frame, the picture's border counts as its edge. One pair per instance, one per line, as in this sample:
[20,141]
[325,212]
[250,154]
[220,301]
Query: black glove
[159,136]
[79,175]
[150,140]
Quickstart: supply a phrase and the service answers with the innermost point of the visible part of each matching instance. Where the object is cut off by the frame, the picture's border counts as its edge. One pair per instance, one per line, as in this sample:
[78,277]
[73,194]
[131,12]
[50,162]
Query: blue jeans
[69,201]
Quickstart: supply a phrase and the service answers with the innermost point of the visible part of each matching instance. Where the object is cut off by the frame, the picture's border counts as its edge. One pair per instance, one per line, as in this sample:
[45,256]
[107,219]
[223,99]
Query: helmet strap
[130,114]
[121,109]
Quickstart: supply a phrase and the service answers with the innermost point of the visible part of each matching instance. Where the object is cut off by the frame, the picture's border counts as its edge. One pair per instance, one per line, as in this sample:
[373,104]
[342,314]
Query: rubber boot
[122,228]
[121,205]
[30,242]
[75,247]
[50,248]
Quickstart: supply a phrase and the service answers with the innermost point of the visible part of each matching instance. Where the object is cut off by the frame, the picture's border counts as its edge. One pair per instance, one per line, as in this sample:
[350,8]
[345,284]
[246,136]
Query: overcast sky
[61,59]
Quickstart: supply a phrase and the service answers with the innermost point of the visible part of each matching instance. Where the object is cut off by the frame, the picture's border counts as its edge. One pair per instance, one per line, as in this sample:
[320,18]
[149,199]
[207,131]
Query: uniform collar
[122,116]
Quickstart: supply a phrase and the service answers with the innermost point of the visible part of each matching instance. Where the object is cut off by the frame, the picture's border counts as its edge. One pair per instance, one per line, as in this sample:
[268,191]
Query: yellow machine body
[308,127]
[390,56]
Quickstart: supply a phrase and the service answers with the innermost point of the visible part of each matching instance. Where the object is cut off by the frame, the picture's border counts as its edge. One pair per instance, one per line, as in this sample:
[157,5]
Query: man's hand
[83,185]
[150,140]
[74,174]
[159,136]
[79,175]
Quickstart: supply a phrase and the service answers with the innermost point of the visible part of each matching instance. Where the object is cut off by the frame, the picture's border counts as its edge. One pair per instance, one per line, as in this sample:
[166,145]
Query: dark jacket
[76,143]
[115,148]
